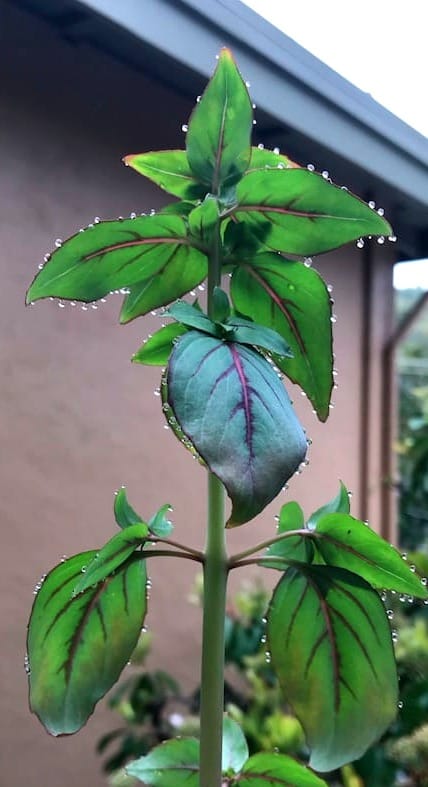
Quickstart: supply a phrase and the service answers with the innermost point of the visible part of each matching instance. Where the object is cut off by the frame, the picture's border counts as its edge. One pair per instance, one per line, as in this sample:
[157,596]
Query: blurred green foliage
[153,707]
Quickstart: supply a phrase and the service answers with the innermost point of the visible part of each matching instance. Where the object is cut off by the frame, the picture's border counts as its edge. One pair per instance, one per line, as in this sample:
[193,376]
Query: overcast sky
[378,45]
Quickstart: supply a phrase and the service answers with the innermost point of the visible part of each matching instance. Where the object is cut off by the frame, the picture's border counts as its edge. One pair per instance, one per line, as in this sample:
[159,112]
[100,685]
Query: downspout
[388,411]
[367,290]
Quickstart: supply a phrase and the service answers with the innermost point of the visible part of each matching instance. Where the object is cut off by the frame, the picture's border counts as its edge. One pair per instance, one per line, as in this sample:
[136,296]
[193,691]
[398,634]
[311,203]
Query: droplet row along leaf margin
[293,300]
[79,645]
[149,251]
[231,405]
[331,648]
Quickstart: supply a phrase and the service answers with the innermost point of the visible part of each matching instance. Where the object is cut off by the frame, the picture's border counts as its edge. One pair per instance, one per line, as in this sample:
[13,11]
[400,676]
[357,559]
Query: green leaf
[191,317]
[111,556]
[231,405]
[292,300]
[346,542]
[235,749]
[170,170]
[338,505]
[261,158]
[157,348]
[180,208]
[221,305]
[177,277]
[247,332]
[302,212]
[159,524]
[276,770]
[124,514]
[175,763]
[218,139]
[203,220]
[78,646]
[117,254]
[294,548]
[331,648]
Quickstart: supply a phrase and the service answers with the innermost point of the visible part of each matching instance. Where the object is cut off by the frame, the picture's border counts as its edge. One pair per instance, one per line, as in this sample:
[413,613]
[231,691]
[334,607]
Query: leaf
[338,505]
[157,349]
[159,524]
[112,555]
[170,170]
[78,646]
[204,219]
[116,254]
[231,405]
[276,770]
[235,749]
[174,763]
[191,317]
[221,305]
[331,648]
[261,158]
[297,547]
[248,332]
[292,300]
[177,277]
[218,139]
[304,213]
[348,543]
[124,514]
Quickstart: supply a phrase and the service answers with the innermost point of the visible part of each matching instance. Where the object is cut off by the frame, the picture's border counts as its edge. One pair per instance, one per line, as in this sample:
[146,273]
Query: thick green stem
[212,673]
[214,609]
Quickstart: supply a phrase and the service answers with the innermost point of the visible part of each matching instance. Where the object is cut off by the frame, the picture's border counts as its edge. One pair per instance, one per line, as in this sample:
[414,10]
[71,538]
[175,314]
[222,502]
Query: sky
[379,46]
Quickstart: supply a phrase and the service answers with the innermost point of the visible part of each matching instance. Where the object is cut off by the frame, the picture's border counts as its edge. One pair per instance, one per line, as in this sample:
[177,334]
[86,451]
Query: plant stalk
[214,606]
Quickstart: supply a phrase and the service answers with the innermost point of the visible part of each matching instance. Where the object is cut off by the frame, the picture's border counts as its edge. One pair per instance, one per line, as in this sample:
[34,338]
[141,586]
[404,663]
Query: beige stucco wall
[77,420]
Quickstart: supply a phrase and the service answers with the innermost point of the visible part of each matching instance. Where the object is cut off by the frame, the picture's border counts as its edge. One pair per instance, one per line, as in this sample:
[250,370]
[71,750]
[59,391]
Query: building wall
[77,419]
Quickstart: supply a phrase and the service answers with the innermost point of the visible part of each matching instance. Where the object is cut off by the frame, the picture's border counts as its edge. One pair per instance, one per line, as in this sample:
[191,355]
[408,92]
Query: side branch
[235,559]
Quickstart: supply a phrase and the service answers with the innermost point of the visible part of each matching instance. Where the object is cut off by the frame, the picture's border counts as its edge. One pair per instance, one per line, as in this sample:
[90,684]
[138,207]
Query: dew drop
[261,146]
[156,392]
[400,704]
[84,308]
[372,204]
[276,151]
[311,167]
[133,215]
[333,318]
[381,240]
[329,288]
[61,305]
[201,287]
[360,243]
[380,211]
[47,257]
[254,106]
[198,98]
[424,581]
[40,266]
[412,568]
[97,220]
[392,238]
[390,614]
[325,174]
[254,122]
[185,127]
[248,84]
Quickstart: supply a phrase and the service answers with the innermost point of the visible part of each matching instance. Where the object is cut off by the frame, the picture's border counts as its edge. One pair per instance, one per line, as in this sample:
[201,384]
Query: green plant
[242,211]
